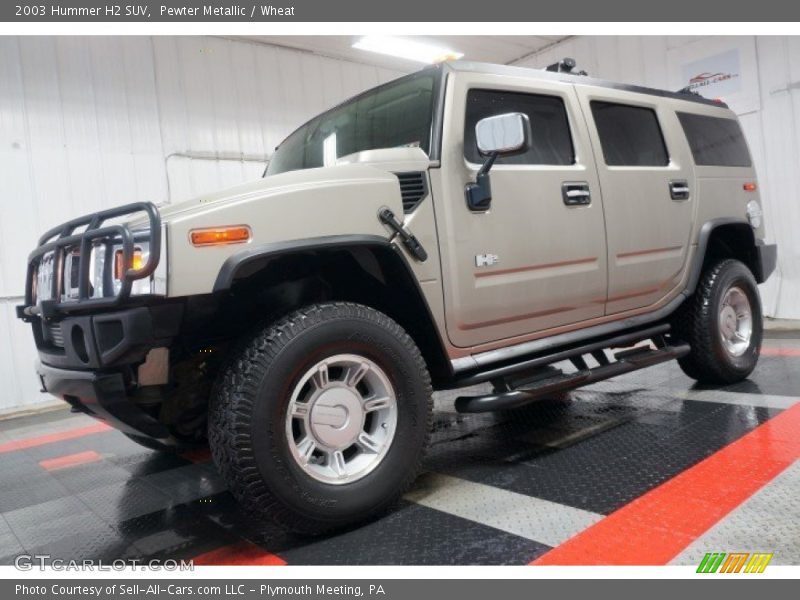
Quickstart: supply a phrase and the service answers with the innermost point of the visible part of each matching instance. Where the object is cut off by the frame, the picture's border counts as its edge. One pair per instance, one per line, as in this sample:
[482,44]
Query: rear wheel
[723,324]
[323,419]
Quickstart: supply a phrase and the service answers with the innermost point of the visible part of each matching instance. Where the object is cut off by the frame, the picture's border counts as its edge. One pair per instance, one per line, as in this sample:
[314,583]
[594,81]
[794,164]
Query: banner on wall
[719,68]
[716,76]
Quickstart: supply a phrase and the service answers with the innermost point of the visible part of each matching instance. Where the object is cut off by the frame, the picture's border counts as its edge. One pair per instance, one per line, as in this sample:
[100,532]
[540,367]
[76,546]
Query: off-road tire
[247,432]
[697,322]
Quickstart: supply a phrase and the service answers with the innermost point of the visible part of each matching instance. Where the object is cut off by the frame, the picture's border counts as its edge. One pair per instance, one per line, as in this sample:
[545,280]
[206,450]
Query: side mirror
[501,135]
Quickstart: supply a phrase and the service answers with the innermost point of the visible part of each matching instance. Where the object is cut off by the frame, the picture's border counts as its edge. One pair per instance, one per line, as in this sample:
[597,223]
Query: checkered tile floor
[496,489]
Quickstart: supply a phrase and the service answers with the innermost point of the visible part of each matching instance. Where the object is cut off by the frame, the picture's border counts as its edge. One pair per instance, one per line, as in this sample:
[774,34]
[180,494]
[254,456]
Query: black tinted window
[630,135]
[715,141]
[551,143]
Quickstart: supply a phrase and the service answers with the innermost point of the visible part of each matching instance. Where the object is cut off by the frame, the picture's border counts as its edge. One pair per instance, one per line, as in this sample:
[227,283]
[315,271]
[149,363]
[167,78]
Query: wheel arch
[367,269]
[725,238]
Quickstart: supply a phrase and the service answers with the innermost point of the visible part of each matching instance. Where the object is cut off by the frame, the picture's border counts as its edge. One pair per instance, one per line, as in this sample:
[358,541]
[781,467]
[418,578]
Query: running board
[595,348]
[627,361]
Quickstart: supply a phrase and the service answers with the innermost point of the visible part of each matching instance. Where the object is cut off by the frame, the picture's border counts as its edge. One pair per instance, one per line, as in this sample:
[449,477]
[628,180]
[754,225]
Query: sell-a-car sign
[715,76]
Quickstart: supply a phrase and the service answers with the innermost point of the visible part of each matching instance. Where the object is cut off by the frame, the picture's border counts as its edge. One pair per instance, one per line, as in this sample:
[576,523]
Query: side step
[534,363]
[626,361]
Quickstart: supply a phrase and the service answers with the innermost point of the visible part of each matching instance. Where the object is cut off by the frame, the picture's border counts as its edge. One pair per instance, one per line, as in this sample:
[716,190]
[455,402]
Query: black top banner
[187,11]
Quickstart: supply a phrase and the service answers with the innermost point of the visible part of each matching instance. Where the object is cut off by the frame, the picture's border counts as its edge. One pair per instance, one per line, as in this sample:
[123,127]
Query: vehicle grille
[413,189]
[55,334]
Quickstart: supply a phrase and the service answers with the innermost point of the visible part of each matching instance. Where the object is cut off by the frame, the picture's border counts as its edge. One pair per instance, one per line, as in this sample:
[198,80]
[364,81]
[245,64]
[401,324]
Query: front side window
[630,135]
[398,114]
[551,143]
[715,141]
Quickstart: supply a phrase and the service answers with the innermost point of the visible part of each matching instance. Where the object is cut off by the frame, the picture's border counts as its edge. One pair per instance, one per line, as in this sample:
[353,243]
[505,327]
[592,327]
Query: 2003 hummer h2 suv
[467,223]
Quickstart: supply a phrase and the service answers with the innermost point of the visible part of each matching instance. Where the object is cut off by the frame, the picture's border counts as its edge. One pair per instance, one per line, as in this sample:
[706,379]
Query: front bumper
[103,396]
[766,260]
[109,339]
[93,362]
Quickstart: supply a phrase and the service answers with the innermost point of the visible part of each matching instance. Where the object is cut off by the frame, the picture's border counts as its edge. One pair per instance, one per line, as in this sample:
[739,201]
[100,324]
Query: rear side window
[630,135]
[715,141]
[551,143]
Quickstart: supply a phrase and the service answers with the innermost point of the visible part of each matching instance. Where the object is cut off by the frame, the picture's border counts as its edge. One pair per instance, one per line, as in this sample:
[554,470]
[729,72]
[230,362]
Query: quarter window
[551,143]
[715,141]
[630,135]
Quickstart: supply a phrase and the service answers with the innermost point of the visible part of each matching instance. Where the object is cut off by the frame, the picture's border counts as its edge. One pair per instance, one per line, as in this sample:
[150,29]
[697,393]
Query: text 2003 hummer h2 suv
[467,223]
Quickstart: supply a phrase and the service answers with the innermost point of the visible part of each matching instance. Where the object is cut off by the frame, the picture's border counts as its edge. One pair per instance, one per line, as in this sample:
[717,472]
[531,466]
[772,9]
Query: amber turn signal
[749,187]
[220,235]
[119,267]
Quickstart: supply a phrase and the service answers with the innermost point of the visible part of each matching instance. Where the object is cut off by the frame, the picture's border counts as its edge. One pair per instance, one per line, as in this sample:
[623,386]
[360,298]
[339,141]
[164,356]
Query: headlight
[754,214]
[43,277]
[107,267]
[71,276]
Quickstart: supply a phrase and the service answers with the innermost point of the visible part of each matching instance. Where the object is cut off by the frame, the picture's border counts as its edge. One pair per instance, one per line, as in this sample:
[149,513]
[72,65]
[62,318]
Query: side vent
[413,188]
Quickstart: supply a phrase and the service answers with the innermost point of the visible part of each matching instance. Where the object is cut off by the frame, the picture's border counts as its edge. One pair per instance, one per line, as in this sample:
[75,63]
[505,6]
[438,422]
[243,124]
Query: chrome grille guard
[59,239]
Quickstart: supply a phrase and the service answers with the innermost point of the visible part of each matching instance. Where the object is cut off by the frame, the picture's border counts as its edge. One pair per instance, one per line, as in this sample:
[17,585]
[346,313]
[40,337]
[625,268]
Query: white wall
[773,131]
[92,122]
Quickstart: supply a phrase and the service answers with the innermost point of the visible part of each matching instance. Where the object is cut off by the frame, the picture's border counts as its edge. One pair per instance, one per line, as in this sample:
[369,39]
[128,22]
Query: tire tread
[232,407]
[692,324]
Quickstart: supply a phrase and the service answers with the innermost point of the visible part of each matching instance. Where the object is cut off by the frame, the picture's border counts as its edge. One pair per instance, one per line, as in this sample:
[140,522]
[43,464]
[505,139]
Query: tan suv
[468,223]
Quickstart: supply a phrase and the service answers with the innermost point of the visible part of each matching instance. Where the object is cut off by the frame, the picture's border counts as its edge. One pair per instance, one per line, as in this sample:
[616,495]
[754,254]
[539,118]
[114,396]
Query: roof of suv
[513,71]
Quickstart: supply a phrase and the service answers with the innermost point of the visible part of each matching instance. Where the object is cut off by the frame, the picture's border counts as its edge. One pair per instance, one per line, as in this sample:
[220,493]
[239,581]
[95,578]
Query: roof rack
[565,65]
[688,90]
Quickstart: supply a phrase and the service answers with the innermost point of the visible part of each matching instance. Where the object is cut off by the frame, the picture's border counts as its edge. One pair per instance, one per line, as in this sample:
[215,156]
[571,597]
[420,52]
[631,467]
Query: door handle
[576,193]
[679,189]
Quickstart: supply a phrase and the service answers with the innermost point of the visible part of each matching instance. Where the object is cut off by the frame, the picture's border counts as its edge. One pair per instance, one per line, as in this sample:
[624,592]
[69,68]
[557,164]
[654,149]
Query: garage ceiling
[495,49]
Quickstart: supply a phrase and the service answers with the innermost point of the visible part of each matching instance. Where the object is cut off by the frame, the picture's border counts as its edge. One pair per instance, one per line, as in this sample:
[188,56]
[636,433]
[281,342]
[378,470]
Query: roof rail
[565,65]
[688,90]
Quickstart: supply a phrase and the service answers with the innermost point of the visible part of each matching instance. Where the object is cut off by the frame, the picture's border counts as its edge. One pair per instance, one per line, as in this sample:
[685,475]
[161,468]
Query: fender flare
[234,263]
[436,344]
[763,255]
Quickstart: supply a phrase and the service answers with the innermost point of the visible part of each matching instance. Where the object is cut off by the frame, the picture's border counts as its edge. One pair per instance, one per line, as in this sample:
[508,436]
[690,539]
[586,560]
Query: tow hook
[411,243]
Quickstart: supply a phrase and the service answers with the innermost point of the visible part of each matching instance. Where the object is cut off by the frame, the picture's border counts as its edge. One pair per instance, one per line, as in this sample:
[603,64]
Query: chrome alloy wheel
[341,419]
[735,321]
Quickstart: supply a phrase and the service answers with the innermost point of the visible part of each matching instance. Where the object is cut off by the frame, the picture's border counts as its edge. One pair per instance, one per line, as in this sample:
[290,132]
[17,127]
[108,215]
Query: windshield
[398,114]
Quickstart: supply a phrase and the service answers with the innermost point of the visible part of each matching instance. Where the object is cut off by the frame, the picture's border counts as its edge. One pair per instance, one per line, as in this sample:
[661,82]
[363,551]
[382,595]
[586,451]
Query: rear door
[648,197]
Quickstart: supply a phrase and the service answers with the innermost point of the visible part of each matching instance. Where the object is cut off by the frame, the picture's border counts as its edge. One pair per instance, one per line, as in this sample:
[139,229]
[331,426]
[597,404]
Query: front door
[536,259]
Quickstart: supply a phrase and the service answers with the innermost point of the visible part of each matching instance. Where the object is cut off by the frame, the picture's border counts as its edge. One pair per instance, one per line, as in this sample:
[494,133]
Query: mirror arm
[479,194]
[487,164]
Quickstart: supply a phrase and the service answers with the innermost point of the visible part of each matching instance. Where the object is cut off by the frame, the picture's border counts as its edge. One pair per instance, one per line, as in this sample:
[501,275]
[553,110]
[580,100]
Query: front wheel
[723,324]
[323,419]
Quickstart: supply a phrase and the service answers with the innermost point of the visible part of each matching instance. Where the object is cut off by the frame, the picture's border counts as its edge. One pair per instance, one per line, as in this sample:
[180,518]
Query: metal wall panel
[92,122]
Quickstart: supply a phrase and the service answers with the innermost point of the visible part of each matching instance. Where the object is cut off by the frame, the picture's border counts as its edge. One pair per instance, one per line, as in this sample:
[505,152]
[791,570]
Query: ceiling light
[404,48]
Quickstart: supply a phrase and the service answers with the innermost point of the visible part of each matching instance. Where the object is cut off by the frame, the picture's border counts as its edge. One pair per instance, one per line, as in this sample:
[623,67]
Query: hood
[274,185]
[368,165]
[354,168]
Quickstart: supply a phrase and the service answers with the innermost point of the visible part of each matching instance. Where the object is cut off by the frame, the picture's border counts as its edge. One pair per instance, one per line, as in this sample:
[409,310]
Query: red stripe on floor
[241,553]
[53,437]
[70,460]
[780,351]
[657,526]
